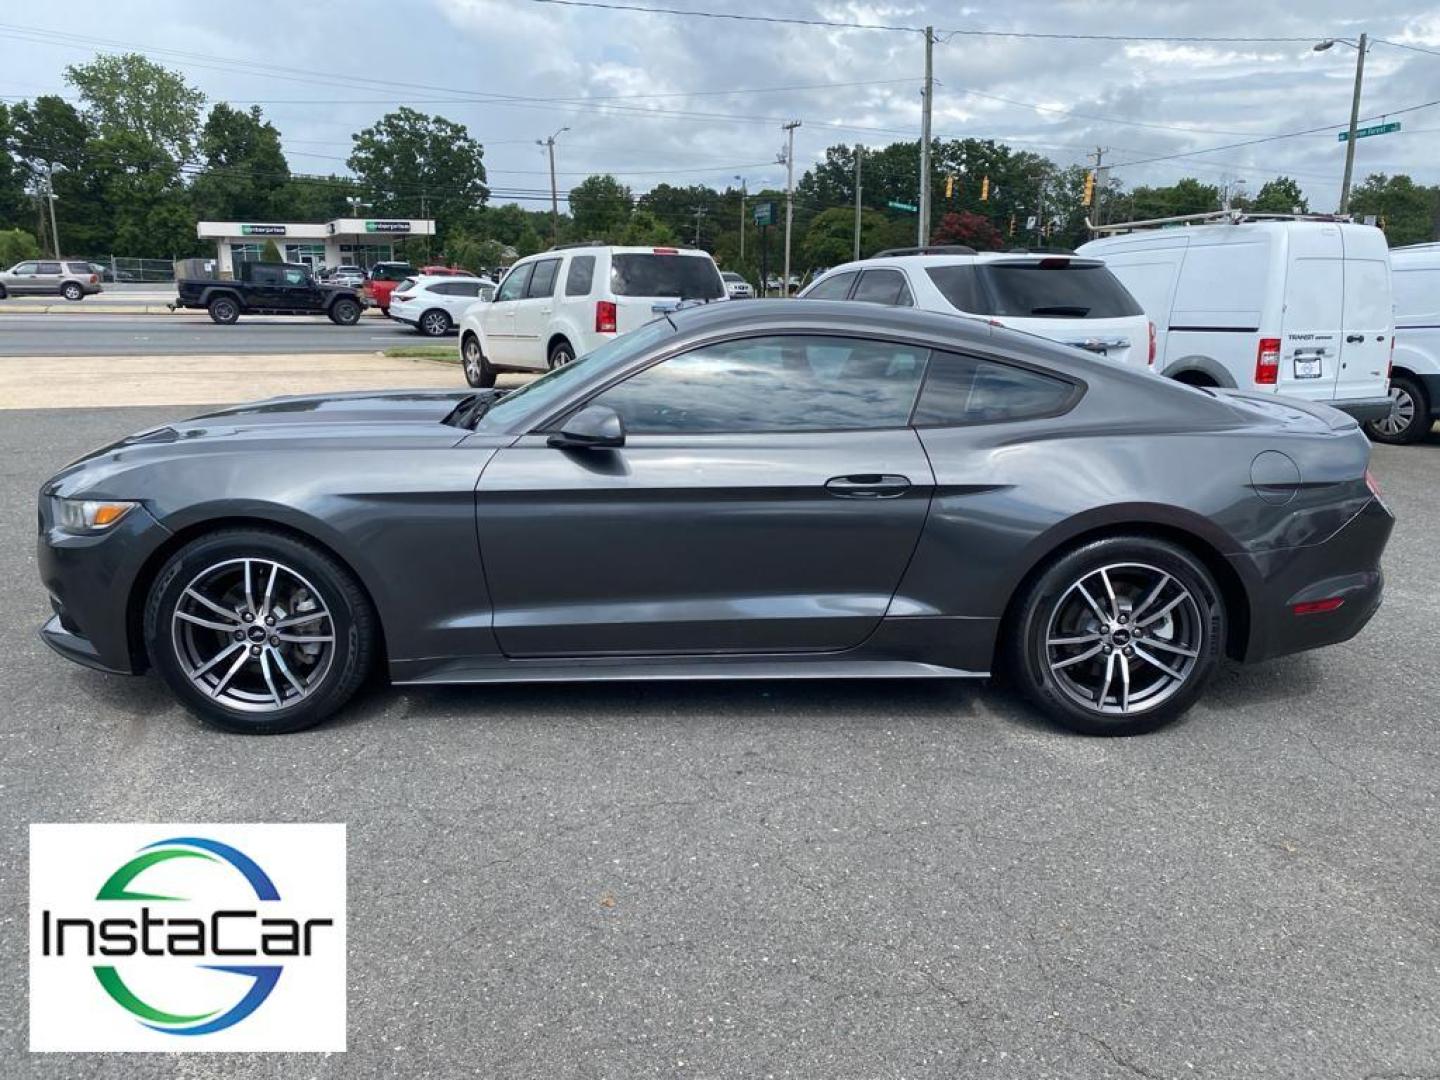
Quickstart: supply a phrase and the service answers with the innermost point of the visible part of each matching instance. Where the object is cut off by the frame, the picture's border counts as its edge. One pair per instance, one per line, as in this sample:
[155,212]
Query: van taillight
[1267,362]
[1152,345]
[604,316]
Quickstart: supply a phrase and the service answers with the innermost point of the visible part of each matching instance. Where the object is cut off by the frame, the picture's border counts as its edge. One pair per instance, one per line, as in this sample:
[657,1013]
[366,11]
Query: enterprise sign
[387,226]
[262,230]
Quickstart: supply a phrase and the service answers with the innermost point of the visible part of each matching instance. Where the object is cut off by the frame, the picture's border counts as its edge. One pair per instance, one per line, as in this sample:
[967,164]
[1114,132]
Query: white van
[1286,304]
[1415,374]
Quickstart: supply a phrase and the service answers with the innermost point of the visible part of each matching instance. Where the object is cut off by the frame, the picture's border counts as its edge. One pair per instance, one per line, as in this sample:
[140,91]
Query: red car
[384,276]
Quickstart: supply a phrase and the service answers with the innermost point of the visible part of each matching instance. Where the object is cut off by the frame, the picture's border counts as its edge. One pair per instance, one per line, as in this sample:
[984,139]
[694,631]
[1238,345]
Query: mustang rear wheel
[1120,636]
[258,632]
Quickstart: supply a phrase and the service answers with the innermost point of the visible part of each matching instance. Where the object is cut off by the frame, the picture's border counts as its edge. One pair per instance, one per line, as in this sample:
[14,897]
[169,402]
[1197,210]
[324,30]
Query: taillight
[605,316]
[95,280]
[666,251]
[1152,345]
[1373,484]
[1267,362]
[1319,607]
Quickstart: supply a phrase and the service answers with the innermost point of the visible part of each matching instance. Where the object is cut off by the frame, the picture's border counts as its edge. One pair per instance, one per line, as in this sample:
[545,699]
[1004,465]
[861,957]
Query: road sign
[764,213]
[1373,129]
[908,207]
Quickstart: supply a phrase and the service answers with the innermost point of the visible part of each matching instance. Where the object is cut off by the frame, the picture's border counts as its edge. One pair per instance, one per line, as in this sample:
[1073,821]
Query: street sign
[1373,129]
[764,213]
[908,207]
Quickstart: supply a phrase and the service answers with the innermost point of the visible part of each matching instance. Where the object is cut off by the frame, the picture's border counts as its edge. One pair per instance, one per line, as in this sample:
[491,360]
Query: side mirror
[593,427]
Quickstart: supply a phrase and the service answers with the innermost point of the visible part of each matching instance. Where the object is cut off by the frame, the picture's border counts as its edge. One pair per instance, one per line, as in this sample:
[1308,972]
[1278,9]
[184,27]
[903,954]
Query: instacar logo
[184,943]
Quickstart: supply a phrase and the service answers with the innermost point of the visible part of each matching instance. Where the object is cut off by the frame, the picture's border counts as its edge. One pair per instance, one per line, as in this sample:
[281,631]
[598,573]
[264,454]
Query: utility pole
[859,154]
[1099,156]
[923,226]
[789,198]
[699,213]
[1354,119]
[549,143]
[742,219]
[55,230]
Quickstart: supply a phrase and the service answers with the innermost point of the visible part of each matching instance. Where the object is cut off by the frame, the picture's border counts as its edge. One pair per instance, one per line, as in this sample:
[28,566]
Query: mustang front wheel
[258,632]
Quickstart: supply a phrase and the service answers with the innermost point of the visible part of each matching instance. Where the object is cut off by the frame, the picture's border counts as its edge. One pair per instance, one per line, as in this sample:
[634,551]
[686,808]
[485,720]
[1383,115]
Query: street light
[554,194]
[742,219]
[1360,47]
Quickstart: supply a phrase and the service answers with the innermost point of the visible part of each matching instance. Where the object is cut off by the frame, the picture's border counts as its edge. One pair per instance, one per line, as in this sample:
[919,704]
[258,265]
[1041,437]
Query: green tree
[600,207]
[413,165]
[1281,195]
[130,94]
[270,252]
[1409,211]
[830,237]
[245,169]
[49,137]
[645,228]
[1187,196]
[13,201]
[16,245]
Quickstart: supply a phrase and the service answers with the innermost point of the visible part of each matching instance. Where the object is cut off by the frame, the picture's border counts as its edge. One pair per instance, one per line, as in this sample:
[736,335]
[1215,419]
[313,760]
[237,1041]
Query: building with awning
[353,241]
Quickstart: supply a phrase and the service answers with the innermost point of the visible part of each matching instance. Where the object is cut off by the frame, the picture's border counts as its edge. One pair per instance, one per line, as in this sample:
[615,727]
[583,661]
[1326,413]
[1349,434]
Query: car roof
[925,262]
[613,249]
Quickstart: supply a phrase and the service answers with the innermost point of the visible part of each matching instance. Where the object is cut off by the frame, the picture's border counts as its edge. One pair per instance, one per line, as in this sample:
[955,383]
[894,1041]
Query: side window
[580,276]
[265,275]
[884,287]
[962,390]
[958,285]
[295,277]
[27,268]
[782,383]
[542,280]
[80,268]
[50,268]
[465,288]
[835,287]
[513,287]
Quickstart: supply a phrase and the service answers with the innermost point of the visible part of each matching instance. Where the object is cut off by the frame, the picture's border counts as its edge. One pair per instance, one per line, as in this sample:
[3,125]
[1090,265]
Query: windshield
[545,391]
[691,277]
[1058,288]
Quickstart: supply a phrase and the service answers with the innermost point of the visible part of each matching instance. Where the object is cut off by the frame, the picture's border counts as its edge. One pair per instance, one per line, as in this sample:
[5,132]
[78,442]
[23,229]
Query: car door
[767,499]
[532,314]
[298,290]
[1367,319]
[22,280]
[498,318]
[48,277]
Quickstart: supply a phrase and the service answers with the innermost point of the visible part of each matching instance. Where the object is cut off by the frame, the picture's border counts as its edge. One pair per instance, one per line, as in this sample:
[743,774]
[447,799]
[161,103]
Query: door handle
[868,486]
[1354,339]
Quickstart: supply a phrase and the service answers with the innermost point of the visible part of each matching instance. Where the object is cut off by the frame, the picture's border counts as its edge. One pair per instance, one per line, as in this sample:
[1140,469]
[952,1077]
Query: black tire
[3,294]
[352,623]
[434,323]
[1033,655]
[224,310]
[478,372]
[345,312]
[561,353]
[72,291]
[1409,419]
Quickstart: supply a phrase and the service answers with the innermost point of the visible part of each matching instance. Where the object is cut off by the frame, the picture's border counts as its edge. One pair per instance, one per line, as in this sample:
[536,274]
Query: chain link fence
[123,269]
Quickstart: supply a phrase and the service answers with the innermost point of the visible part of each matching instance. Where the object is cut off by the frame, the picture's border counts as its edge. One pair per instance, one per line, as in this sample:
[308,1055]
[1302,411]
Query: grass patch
[424,352]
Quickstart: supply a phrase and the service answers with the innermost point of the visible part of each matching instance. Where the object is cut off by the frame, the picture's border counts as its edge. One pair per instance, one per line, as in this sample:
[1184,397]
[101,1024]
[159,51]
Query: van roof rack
[1212,217]
[932,249]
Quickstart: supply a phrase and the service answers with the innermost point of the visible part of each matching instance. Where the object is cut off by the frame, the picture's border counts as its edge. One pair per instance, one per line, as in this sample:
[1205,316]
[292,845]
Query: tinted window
[580,275]
[686,276]
[542,278]
[884,287]
[959,287]
[1055,289]
[835,287]
[50,268]
[773,384]
[27,268]
[465,288]
[391,272]
[965,390]
[513,287]
[80,268]
[265,275]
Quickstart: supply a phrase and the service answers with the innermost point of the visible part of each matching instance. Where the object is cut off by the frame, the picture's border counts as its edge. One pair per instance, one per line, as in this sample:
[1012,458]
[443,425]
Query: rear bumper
[1344,567]
[1364,409]
[399,317]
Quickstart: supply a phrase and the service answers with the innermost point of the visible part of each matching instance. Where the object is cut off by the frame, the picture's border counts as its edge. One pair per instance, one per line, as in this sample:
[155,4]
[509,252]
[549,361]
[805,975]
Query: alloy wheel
[472,360]
[1401,414]
[1124,638]
[253,635]
[434,324]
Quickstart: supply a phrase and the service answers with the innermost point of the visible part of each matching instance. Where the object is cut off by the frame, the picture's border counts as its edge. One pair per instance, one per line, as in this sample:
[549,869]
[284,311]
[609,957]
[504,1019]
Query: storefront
[354,241]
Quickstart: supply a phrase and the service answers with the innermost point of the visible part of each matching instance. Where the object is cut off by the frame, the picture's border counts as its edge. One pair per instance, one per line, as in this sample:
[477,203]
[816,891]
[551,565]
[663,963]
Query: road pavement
[835,880]
[194,335]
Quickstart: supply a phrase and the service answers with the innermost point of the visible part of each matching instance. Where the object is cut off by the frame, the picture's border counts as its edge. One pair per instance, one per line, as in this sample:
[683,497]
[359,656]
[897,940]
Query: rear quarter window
[965,390]
[580,276]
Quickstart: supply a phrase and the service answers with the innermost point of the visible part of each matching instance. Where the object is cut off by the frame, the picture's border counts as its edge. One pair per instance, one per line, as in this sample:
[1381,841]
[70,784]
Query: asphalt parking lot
[808,880]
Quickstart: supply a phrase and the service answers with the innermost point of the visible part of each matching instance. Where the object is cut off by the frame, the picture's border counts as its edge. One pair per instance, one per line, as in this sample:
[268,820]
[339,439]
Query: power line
[832,24]
[1405,45]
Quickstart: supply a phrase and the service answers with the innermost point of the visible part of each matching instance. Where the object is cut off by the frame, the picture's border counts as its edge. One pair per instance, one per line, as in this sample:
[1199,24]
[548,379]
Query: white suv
[1053,294]
[560,304]
[434,304]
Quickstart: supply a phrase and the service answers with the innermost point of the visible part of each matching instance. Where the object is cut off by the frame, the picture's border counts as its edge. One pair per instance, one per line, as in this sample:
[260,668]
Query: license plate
[1307,367]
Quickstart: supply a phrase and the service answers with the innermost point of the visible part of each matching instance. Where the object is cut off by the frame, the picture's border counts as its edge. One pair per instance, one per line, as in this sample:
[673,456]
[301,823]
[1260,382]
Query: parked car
[384,276]
[70,278]
[1071,300]
[763,490]
[736,286]
[1415,369]
[269,289]
[1282,304]
[350,276]
[553,307]
[435,305]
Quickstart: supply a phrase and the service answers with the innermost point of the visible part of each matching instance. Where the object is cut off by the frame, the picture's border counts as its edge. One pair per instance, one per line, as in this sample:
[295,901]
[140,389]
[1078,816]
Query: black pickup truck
[269,289]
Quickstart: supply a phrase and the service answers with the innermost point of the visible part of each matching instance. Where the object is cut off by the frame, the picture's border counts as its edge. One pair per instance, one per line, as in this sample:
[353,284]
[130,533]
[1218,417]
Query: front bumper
[1346,566]
[1363,409]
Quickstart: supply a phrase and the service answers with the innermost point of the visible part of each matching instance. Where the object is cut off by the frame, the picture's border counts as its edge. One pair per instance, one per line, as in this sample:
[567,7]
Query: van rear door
[1309,355]
[1368,317]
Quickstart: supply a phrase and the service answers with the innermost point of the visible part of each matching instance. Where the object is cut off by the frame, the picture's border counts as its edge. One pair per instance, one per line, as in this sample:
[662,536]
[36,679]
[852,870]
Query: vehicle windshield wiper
[468,413]
[1061,309]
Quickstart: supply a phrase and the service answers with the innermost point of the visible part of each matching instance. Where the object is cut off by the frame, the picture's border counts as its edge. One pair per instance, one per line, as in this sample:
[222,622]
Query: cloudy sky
[654,97]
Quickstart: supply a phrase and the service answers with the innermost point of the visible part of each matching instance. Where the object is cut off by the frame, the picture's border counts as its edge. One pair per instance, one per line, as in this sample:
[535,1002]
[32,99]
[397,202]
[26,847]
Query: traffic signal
[949,185]
[1089,196]
[985,189]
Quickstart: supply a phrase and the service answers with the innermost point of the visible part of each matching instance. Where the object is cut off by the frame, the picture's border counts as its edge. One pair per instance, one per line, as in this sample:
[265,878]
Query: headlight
[88,515]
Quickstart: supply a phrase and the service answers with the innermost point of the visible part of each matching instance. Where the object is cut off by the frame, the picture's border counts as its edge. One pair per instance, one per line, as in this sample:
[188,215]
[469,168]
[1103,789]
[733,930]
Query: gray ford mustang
[787,489]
